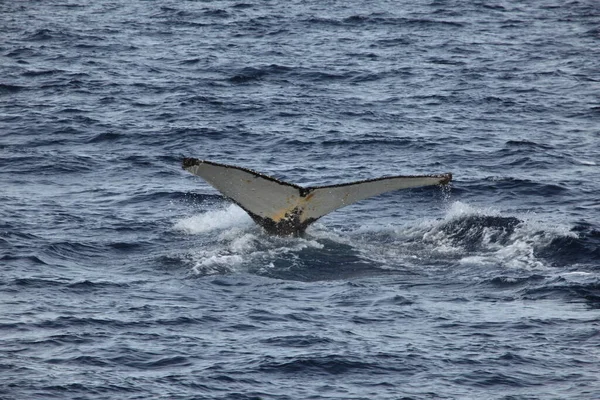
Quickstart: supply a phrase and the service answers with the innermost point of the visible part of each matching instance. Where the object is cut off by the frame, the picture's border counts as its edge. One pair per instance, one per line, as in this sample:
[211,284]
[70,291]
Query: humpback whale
[283,208]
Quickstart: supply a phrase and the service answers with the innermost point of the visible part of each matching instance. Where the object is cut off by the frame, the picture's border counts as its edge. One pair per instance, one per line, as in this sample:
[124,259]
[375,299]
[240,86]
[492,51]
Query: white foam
[586,162]
[225,218]
[210,264]
[235,244]
[517,254]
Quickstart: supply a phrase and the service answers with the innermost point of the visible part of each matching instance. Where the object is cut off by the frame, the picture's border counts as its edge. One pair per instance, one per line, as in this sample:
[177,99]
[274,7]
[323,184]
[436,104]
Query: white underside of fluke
[285,208]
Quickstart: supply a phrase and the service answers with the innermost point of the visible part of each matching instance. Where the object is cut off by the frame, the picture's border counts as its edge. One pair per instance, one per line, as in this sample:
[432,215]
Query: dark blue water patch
[204,99]
[174,263]
[376,141]
[593,33]
[372,320]
[317,76]
[249,74]
[427,23]
[72,111]
[224,282]
[183,320]
[300,341]
[243,6]
[528,145]
[14,326]
[523,188]
[71,322]
[490,379]
[562,289]
[37,73]
[311,365]
[91,44]
[163,362]
[241,327]
[105,137]
[511,358]
[91,285]
[331,262]
[127,247]
[217,13]
[190,17]
[24,260]
[512,282]
[81,322]
[366,76]
[41,35]
[18,239]
[13,119]
[87,361]
[191,61]
[382,19]
[250,395]
[540,162]
[8,89]
[370,141]
[446,61]
[79,390]
[38,283]
[157,162]
[22,52]
[71,250]
[63,284]
[394,42]
[69,5]
[395,301]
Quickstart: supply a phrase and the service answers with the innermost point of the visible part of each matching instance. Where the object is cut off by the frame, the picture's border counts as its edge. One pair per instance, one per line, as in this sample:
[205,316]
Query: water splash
[487,237]
[216,220]
[468,236]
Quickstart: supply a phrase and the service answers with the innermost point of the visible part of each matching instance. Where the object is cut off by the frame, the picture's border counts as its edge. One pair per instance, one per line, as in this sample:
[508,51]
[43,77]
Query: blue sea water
[124,277]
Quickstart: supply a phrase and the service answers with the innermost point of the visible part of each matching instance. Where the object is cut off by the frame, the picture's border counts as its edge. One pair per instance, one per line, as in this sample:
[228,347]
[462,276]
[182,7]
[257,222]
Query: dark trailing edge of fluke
[283,208]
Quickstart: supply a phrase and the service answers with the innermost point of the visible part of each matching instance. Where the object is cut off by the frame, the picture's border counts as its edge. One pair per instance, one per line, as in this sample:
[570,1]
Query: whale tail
[283,208]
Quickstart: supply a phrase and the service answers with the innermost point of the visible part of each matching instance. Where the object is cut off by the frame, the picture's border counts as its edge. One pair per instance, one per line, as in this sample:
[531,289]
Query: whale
[287,209]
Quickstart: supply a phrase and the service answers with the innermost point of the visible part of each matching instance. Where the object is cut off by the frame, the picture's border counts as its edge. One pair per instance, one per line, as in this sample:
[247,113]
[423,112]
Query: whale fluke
[283,208]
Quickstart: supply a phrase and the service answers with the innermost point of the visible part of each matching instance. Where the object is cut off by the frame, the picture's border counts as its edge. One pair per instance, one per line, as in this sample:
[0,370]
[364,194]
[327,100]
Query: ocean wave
[249,74]
[577,286]
[46,72]
[382,19]
[329,364]
[300,341]
[581,246]
[513,187]
[71,250]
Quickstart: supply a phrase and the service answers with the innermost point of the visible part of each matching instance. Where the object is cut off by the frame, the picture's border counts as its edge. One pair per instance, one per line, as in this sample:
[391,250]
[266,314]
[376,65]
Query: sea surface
[124,277]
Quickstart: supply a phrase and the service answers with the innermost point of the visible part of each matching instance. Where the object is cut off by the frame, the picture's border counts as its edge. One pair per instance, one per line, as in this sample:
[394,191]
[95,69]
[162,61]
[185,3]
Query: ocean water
[124,277]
